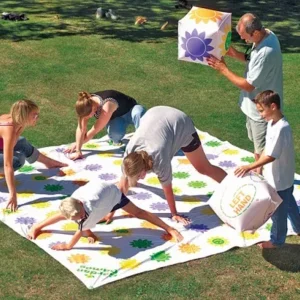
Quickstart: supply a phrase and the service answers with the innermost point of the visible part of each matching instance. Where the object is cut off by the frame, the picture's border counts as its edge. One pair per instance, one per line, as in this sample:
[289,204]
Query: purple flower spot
[108,176]
[2,199]
[211,156]
[160,206]
[60,150]
[56,243]
[198,227]
[25,220]
[141,196]
[227,164]
[93,167]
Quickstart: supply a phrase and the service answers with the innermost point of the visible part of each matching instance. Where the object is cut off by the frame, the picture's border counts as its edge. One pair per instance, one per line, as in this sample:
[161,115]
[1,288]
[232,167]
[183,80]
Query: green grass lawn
[62,50]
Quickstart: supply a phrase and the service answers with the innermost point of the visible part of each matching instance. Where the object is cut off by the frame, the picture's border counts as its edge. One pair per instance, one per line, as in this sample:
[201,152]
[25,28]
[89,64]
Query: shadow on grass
[49,19]
[285,258]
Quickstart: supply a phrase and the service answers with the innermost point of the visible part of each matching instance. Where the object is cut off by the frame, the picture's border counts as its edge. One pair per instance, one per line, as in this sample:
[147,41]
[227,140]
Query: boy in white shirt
[88,205]
[279,160]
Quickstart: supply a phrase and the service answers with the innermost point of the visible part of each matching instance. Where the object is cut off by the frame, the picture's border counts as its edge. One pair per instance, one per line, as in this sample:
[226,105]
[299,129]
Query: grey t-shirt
[163,131]
[264,72]
[98,200]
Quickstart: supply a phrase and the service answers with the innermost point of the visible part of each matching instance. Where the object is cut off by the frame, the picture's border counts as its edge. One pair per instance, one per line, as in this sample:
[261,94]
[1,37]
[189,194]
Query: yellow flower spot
[249,236]
[298,187]
[167,237]
[69,172]
[71,226]
[207,211]
[79,258]
[41,205]
[80,181]
[85,240]
[176,190]
[191,200]
[148,225]
[201,136]
[205,15]
[231,151]
[153,180]
[52,213]
[184,161]
[129,264]
[117,162]
[112,251]
[44,235]
[189,248]
[104,155]
[25,194]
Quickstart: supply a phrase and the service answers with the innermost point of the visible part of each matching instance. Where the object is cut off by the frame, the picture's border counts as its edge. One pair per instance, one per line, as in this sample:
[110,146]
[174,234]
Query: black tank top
[124,102]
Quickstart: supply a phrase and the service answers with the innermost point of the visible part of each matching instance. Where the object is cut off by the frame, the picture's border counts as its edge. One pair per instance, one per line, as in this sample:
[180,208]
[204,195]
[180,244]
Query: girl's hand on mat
[76,155]
[241,171]
[61,246]
[71,149]
[175,234]
[12,202]
[181,219]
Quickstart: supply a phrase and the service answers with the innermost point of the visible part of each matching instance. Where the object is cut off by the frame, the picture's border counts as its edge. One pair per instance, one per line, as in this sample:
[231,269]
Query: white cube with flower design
[203,32]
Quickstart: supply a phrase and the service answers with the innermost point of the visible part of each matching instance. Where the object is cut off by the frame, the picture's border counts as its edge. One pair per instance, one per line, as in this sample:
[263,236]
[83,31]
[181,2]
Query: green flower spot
[91,146]
[40,177]
[218,241]
[213,144]
[176,190]
[269,226]
[53,187]
[92,272]
[209,194]
[228,41]
[141,244]
[248,159]
[160,256]
[122,231]
[181,175]
[26,169]
[197,184]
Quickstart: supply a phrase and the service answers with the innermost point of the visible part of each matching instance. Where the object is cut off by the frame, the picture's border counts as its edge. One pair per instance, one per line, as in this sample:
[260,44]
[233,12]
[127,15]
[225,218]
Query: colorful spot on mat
[60,150]
[92,272]
[141,196]
[153,180]
[26,169]
[17,183]
[2,199]
[196,46]
[189,248]
[227,164]
[141,244]
[198,227]
[176,190]
[39,177]
[129,264]
[7,211]
[104,155]
[191,200]
[52,213]
[25,220]
[205,15]
[25,194]
[117,162]
[71,226]
[63,197]
[56,243]
[181,175]
[209,194]
[112,251]
[231,151]
[160,256]
[69,172]
[85,240]
[213,144]
[168,237]
[184,161]
[91,146]
[218,241]
[44,235]
[79,258]
[207,211]
[249,236]
[269,226]
[148,225]
[122,231]
[80,181]
[108,176]
[53,187]
[41,205]
[197,184]
[201,136]
[160,206]
[93,167]
[211,156]
[249,159]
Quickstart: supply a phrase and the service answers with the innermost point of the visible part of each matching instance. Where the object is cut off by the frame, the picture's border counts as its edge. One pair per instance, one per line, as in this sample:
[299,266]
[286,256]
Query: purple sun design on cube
[141,196]
[55,243]
[198,227]
[227,164]
[25,220]
[60,150]
[93,167]
[211,156]
[196,46]
[2,199]
[160,206]
[108,176]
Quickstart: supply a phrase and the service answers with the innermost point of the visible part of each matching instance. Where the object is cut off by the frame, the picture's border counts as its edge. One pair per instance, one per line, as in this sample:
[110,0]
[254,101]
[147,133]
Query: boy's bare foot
[267,245]
[33,233]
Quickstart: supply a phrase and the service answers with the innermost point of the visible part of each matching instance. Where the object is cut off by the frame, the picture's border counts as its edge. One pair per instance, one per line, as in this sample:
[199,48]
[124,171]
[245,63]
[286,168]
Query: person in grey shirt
[263,72]
[162,133]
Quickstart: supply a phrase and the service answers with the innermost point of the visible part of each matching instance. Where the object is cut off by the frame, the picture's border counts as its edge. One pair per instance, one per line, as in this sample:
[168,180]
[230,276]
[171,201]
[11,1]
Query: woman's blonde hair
[84,104]
[70,207]
[135,163]
[20,111]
